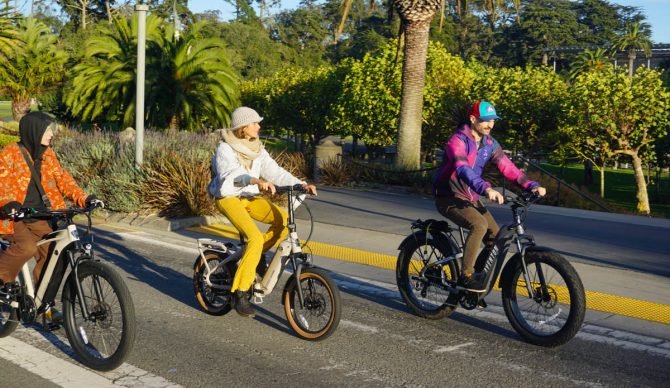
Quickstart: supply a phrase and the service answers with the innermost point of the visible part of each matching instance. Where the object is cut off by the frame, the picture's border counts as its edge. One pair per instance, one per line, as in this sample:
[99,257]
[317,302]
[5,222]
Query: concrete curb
[156,222]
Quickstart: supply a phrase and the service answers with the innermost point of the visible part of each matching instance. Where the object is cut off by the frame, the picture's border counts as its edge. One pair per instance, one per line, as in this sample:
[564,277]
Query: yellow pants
[241,212]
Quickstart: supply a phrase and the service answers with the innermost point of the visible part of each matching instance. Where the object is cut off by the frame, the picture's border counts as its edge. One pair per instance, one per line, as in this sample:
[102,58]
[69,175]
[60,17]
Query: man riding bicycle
[32,177]
[459,184]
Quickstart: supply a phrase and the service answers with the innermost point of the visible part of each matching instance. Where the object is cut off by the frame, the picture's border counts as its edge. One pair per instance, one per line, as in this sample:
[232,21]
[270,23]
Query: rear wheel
[320,313]
[554,311]
[104,339]
[421,273]
[214,299]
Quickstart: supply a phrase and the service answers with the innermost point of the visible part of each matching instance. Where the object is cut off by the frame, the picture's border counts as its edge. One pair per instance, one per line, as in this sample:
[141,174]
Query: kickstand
[49,326]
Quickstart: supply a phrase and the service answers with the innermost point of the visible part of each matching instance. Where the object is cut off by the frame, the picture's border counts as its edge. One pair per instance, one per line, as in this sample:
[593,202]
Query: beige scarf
[247,150]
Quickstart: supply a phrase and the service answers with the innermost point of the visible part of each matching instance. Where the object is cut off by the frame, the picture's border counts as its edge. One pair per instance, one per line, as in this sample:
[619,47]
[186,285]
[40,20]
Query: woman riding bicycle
[241,168]
[459,183]
[20,164]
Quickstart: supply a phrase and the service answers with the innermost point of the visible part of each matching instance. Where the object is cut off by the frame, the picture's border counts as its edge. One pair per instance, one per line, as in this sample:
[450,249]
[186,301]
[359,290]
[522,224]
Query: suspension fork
[80,291]
[297,271]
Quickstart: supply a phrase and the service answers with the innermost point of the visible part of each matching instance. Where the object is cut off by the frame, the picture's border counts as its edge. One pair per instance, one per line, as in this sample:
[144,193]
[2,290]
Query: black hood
[31,129]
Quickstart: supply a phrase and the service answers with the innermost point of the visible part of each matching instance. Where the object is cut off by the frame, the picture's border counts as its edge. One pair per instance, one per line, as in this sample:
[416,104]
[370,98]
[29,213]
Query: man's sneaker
[474,282]
[242,304]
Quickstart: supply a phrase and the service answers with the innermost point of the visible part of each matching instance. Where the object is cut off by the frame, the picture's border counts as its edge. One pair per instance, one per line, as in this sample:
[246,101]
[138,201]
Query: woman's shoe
[242,304]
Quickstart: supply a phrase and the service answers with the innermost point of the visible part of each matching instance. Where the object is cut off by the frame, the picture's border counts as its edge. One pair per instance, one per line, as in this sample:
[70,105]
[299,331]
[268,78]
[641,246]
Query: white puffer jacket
[231,178]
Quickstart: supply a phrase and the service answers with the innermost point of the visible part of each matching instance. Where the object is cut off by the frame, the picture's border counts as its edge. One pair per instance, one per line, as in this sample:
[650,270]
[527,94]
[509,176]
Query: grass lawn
[620,188]
[6,109]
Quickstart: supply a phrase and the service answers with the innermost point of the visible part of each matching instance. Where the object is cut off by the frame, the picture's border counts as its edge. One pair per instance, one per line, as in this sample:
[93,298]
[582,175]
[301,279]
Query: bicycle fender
[420,235]
[510,266]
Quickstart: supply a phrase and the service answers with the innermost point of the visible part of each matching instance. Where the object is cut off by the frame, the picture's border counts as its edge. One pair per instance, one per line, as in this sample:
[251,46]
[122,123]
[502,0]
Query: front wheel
[104,339]
[554,311]
[320,313]
[9,319]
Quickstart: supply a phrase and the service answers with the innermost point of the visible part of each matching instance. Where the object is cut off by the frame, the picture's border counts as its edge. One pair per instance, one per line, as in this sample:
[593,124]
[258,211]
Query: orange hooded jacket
[15,176]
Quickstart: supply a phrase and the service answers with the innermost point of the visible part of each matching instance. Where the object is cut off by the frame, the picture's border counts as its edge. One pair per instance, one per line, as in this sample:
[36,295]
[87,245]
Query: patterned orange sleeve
[65,182]
[6,177]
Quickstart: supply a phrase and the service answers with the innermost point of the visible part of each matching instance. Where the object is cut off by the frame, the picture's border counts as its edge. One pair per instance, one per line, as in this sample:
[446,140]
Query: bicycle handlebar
[43,213]
[294,188]
[524,200]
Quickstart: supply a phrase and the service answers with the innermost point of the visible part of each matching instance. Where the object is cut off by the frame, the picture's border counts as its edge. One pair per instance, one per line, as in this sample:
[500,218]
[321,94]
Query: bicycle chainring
[27,309]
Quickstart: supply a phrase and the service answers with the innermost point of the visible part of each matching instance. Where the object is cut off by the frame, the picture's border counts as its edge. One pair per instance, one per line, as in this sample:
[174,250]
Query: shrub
[7,139]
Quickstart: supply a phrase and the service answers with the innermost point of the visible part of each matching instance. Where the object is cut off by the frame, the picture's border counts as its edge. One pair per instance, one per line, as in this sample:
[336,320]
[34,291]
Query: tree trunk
[631,62]
[109,11]
[411,102]
[602,179]
[642,197]
[174,124]
[20,107]
[345,13]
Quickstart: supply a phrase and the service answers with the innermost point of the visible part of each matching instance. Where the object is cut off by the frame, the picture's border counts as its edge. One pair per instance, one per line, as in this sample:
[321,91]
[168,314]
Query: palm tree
[103,85]
[632,40]
[33,67]
[189,79]
[589,60]
[415,16]
[195,83]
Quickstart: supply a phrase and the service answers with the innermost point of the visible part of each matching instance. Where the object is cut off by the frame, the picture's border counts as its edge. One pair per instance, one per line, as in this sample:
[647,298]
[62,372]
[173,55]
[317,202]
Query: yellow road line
[598,301]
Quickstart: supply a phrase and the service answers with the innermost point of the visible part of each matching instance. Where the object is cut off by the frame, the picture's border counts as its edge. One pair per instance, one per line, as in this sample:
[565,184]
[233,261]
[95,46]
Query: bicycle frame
[61,242]
[289,249]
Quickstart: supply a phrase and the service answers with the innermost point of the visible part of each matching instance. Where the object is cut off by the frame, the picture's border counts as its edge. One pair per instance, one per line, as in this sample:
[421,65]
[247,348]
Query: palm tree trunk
[411,102]
[109,11]
[631,62]
[345,13]
[642,197]
[20,107]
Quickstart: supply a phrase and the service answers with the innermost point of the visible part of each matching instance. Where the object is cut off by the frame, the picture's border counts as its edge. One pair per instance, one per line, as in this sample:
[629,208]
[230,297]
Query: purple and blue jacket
[461,173]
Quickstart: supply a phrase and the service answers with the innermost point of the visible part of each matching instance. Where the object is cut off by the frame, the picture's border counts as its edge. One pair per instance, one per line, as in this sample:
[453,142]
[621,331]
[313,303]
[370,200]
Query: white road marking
[69,374]
[445,349]
[358,326]
[49,367]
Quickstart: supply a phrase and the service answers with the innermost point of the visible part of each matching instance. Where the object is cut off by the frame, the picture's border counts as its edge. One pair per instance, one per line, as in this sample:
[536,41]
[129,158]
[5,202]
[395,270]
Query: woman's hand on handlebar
[264,185]
[310,189]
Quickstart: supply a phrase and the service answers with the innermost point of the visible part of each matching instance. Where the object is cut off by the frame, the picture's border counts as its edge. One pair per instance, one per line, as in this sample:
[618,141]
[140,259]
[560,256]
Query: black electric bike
[98,312]
[542,294]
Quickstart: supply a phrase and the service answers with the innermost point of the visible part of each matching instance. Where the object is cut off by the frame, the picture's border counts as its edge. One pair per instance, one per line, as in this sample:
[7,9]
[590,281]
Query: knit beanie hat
[243,116]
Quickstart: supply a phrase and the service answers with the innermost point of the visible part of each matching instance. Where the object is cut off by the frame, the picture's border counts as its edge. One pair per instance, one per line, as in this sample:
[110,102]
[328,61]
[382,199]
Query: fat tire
[575,289]
[404,282]
[200,289]
[290,297]
[71,306]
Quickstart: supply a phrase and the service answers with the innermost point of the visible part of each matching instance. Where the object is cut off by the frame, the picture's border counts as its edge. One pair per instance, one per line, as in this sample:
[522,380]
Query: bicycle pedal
[258,299]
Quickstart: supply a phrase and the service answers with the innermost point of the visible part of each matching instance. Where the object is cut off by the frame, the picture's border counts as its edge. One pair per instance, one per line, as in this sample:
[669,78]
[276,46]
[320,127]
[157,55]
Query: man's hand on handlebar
[539,190]
[494,196]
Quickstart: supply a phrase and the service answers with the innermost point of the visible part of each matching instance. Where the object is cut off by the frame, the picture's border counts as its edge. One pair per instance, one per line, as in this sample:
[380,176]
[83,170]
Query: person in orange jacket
[18,189]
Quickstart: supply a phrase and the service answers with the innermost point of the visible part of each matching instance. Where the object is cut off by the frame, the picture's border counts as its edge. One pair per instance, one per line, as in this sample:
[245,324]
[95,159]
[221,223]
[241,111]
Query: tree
[612,114]
[33,67]
[589,60]
[529,102]
[632,40]
[416,17]
[103,84]
[190,83]
[194,84]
